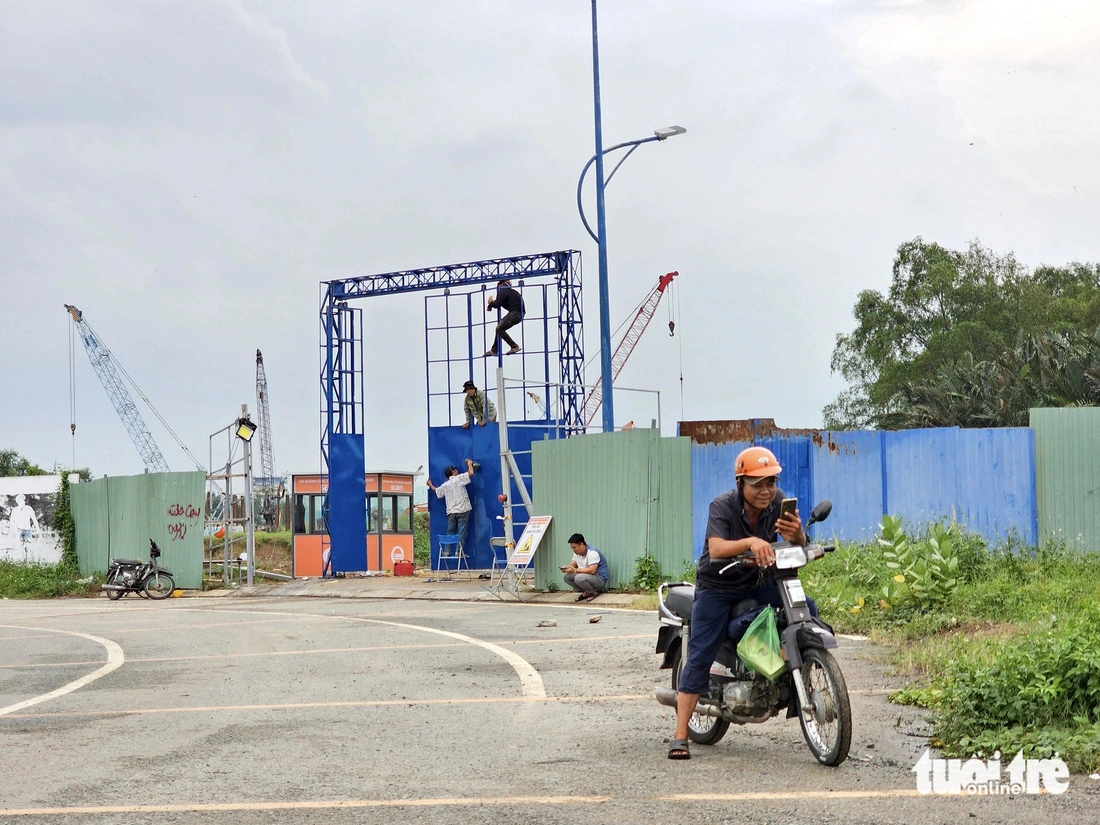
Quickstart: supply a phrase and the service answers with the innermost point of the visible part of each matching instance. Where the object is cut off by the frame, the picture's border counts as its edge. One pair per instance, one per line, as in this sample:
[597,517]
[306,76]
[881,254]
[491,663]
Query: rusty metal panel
[626,492]
[847,470]
[1067,475]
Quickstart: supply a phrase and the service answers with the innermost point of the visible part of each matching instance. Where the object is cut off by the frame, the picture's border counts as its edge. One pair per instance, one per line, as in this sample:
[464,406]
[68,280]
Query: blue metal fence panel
[982,478]
[921,480]
[712,473]
[347,503]
[847,470]
[995,473]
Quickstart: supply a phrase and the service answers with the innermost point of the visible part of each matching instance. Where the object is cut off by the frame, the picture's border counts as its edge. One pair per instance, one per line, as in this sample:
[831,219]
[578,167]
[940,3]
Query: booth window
[389,513]
[309,515]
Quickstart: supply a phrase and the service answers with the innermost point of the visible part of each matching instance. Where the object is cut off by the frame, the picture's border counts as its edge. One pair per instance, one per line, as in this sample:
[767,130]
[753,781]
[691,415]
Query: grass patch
[44,581]
[1007,654]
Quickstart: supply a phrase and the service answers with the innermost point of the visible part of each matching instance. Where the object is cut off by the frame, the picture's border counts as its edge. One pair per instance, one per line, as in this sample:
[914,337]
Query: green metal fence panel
[671,535]
[88,503]
[1067,475]
[628,493]
[116,517]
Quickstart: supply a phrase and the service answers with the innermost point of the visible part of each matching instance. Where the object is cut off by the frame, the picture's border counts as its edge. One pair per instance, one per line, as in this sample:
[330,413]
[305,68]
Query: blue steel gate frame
[342,391]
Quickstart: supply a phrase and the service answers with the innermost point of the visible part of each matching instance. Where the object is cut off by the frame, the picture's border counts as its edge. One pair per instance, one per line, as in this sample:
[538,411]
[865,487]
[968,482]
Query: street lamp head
[669,131]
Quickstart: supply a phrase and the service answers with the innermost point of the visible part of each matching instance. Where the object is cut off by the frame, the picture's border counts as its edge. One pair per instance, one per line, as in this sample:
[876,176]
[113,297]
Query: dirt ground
[270,555]
[273,557]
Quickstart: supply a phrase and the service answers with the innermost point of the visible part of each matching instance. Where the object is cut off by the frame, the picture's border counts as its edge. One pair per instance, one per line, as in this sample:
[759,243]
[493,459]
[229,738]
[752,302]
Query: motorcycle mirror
[821,511]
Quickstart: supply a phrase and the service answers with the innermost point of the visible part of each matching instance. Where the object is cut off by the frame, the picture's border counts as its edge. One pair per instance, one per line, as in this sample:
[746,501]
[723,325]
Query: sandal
[582,597]
[678,749]
[590,595]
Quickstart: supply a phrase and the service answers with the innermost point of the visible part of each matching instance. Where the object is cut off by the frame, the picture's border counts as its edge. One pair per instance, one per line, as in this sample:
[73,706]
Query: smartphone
[789,505]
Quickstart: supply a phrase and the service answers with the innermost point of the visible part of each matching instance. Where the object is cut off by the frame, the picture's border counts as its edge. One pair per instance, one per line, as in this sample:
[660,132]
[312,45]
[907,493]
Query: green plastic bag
[759,647]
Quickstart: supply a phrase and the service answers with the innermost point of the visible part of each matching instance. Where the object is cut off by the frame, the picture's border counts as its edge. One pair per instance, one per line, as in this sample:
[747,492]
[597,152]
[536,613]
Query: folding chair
[500,561]
[450,550]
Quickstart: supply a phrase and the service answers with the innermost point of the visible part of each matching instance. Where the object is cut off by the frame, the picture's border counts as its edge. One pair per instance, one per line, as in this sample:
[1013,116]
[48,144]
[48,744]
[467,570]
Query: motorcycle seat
[127,562]
[742,607]
[679,598]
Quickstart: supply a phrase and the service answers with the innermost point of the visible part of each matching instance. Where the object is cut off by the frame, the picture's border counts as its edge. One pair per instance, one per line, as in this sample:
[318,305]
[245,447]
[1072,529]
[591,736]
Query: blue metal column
[601,231]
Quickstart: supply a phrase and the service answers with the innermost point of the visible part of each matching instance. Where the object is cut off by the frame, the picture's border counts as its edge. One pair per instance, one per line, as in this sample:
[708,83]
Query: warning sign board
[529,541]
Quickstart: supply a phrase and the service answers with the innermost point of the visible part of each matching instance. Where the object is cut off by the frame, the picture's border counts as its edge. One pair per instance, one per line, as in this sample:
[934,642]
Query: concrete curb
[414,588]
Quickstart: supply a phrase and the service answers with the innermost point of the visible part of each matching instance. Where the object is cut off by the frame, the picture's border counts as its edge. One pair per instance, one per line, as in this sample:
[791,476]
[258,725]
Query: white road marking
[530,681]
[115,658]
[470,801]
[357,703]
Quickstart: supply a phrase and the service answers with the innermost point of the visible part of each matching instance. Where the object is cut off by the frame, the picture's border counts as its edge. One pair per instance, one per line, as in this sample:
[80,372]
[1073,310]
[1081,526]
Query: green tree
[13,464]
[1049,370]
[945,310]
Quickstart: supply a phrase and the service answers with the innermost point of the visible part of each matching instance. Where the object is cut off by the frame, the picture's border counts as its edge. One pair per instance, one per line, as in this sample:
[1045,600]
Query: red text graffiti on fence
[185,510]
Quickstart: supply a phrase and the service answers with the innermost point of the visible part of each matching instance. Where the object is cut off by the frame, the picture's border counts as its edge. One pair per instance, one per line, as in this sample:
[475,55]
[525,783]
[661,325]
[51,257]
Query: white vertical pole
[505,471]
[249,526]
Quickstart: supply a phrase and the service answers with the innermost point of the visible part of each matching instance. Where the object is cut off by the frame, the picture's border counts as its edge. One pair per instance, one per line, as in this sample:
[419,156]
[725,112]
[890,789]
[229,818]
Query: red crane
[626,346]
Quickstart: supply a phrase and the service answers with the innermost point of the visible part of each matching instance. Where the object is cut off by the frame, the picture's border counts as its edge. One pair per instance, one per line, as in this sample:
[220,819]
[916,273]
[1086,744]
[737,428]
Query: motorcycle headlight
[787,558]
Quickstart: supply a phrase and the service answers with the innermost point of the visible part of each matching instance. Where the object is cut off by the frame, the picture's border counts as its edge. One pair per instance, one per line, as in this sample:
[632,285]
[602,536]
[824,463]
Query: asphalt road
[345,710]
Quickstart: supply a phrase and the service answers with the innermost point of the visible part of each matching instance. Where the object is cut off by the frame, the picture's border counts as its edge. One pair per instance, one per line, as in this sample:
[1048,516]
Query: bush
[924,574]
[422,548]
[43,581]
[647,573]
[1040,694]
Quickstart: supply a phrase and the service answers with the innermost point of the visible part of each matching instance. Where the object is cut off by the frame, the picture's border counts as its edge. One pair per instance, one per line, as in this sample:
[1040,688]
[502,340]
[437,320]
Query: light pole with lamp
[601,223]
[244,429]
[600,237]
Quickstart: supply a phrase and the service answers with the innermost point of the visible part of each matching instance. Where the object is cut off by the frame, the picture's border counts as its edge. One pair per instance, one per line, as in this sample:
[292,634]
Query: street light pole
[601,240]
[600,237]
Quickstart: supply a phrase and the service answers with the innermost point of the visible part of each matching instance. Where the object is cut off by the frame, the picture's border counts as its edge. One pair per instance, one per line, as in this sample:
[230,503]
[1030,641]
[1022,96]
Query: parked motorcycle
[147,579]
[812,687]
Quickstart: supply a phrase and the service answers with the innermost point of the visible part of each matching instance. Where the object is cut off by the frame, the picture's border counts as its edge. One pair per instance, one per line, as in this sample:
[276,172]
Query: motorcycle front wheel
[705,730]
[159,586]
[114,595]
[828,731]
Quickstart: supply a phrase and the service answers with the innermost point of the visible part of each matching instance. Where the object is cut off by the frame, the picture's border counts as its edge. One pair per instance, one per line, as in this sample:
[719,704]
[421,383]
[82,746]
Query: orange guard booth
[389,521]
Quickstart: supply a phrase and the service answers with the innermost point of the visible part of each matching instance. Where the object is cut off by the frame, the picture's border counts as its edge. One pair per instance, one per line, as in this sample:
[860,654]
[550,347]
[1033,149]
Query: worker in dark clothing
[511,302]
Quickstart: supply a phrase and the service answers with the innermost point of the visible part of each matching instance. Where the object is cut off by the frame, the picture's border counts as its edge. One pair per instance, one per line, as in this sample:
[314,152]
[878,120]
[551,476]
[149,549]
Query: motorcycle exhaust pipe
[667,696]
[112,587]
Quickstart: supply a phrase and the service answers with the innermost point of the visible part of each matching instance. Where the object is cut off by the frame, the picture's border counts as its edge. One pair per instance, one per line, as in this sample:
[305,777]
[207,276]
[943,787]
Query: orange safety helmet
[758,462]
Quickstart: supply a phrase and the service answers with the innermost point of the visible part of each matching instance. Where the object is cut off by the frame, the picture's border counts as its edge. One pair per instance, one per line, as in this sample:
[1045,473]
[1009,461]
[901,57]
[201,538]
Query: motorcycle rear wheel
[705,730]
[115,595]
[159,586]
[829,731]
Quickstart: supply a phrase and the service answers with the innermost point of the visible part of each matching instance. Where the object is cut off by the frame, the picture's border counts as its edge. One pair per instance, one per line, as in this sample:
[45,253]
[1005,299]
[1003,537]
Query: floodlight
[245,429]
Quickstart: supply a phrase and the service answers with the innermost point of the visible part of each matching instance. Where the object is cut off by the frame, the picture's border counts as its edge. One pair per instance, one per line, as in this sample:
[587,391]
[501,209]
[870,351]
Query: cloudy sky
[186,173]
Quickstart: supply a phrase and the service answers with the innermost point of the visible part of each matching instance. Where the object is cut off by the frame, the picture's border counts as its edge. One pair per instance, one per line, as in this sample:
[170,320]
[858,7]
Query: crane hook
[671,329]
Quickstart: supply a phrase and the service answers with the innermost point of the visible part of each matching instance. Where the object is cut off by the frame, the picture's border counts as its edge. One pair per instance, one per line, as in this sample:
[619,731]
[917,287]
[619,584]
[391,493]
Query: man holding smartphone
[587,572]
[742,523]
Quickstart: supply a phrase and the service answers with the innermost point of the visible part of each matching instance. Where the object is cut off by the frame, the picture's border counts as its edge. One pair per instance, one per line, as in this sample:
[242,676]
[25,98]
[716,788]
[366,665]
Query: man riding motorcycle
[742,522]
